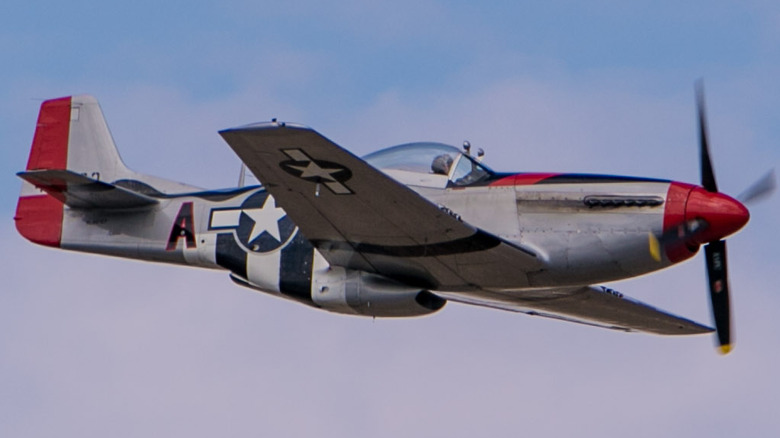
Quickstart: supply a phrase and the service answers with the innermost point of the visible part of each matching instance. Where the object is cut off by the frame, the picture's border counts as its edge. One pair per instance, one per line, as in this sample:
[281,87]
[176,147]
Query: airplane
[396,233]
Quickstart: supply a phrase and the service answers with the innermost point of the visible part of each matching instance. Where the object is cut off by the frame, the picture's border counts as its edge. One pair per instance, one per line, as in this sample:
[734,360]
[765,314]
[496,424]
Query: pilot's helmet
[441,164]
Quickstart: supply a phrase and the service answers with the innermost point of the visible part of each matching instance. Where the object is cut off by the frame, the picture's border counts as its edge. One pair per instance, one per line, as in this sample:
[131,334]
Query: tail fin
[74,162]
[71,134]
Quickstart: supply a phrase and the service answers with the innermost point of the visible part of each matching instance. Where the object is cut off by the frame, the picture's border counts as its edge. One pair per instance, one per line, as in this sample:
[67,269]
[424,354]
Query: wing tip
[261,126]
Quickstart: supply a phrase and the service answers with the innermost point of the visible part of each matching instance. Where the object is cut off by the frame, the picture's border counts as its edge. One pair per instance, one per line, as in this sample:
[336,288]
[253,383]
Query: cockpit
[429,165]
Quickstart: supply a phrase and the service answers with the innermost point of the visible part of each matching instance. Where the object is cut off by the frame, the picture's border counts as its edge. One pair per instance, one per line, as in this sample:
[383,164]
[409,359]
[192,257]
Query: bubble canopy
[444,164]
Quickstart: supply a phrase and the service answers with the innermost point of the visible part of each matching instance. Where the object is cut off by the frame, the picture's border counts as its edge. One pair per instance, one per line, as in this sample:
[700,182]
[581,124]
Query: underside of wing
[359,218]
[592,305]
[79,191]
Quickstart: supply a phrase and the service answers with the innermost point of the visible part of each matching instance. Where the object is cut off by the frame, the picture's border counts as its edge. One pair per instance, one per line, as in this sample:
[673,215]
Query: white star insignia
[312,170]
[266,218]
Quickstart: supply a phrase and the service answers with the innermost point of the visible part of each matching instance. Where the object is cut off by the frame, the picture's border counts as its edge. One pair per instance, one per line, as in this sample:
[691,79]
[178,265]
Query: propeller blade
[707,175]
[719,292]
[759,189]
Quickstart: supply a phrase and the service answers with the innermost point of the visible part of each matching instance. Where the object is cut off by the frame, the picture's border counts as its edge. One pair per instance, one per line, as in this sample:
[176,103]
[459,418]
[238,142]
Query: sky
[95,346]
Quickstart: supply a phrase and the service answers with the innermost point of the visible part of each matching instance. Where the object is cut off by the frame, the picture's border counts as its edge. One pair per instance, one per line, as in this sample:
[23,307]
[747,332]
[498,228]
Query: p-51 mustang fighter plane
[396,233]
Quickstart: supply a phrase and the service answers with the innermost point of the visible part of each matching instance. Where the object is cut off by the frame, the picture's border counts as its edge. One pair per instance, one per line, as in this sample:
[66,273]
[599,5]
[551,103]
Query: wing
[359,218]
[591,305]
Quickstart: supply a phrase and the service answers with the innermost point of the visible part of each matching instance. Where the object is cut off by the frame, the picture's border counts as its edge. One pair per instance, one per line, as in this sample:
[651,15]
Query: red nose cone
[724,214]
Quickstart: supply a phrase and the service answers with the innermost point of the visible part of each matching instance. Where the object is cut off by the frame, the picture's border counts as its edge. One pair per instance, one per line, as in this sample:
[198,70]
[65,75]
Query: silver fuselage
[577,244]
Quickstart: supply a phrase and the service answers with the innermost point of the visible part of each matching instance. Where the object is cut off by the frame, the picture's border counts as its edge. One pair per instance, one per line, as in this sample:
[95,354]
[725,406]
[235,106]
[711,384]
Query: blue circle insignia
[262,226]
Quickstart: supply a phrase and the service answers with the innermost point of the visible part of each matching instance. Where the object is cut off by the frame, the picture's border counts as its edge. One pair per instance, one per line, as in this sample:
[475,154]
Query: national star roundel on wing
[331,175]
[262,226]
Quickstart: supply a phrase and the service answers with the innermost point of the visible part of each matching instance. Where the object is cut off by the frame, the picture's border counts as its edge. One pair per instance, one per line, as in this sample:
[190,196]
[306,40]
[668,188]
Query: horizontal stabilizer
[79,191]
[591,305]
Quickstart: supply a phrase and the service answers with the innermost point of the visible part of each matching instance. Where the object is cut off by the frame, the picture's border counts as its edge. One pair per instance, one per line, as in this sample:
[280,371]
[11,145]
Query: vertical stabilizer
[71,134]
[91,148]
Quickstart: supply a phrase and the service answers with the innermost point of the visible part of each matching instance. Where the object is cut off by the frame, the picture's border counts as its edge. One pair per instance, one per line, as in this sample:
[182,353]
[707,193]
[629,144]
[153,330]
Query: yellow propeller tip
[654,246]
[725,349]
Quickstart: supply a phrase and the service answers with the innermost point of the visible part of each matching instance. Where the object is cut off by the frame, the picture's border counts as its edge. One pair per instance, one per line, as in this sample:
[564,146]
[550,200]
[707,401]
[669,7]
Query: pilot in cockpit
[441,164]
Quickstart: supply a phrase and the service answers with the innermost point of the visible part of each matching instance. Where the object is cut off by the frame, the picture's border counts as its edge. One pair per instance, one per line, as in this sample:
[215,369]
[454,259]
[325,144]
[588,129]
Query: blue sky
[92,346]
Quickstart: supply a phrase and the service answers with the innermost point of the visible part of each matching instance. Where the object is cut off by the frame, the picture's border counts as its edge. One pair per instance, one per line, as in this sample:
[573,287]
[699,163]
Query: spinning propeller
[709,217]
[715,251]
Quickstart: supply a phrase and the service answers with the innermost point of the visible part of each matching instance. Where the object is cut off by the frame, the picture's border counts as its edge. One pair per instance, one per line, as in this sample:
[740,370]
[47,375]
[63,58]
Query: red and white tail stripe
[71,134]
[38,215]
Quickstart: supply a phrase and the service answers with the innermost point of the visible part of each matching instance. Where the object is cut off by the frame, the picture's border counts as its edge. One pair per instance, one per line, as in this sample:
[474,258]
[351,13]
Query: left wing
[359,218]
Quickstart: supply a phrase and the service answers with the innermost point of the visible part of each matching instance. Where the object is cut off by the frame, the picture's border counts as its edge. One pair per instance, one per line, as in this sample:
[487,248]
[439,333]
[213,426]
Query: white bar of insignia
[224,218]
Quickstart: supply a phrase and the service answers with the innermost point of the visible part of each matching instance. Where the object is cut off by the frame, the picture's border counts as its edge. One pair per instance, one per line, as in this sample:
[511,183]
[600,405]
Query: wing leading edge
[359,218]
